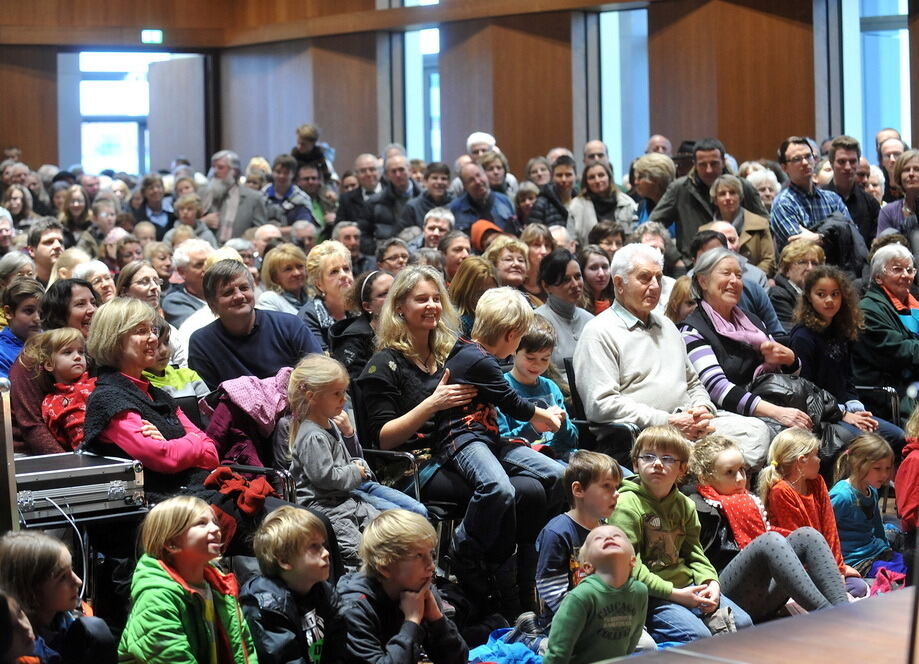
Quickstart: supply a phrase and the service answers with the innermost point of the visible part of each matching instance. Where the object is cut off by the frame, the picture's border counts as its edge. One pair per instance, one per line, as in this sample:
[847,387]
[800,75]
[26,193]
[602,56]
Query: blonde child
[291,608]
[663,526]
[184,609]
[908,481]
[326,460]
[391,607]
[860,471]
[61,356]
[758,568]
[603,616]
[795,496]
[37,570]
[188,218]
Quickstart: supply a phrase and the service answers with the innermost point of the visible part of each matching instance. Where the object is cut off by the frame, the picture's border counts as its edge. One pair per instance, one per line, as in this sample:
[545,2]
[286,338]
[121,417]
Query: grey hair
[12,262]
[881,257]
[440,213]
[624,260]
[342,225]
[302,223]
[83,270]
[221,273]
[180,256]
[705,263]
[727,180]
[480,137]
[651,228]
[756,178]
[877,172]
[230,156]
[238,243]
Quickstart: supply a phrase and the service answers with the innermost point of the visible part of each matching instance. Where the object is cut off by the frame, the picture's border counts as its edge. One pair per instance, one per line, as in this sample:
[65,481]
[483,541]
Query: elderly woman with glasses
[795,261]
[887,350]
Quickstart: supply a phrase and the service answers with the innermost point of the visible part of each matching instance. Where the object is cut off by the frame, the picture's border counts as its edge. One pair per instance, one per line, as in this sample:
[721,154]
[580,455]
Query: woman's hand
[343,422]
[150,431]
[450,396]
[792,417]
[775,353]
[862,420]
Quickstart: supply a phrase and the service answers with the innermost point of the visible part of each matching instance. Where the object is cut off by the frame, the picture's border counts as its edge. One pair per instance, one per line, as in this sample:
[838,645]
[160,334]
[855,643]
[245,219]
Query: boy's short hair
[665,439]
[585,467]
[390,536]
[539,336]
[282,535]
[499,311]
[20,290]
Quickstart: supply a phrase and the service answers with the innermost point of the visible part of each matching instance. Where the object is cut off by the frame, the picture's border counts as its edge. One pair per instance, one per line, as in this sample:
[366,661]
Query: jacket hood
[358,326]
[352,587]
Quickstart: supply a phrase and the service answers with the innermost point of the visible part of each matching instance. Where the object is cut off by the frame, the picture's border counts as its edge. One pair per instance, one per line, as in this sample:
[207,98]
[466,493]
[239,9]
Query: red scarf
[743,512]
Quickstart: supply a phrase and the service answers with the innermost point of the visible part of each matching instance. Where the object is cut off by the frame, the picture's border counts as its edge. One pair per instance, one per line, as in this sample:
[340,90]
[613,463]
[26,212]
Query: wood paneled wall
[510,77]
[28,113]
[739,70]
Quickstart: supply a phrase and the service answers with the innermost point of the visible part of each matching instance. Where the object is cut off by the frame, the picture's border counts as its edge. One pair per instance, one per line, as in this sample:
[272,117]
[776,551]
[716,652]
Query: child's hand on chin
[343,422]
[412,604]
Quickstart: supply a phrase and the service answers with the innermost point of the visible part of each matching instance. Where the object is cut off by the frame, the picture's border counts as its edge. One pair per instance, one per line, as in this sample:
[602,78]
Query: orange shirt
[789,510]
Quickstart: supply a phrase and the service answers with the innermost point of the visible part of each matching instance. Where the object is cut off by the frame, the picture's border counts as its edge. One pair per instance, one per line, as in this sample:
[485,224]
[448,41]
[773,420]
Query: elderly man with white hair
[631,363]
[186,298]
[230,208]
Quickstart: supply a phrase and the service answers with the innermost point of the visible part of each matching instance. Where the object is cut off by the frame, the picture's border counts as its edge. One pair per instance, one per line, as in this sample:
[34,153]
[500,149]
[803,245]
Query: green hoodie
[665,534]
[167,626]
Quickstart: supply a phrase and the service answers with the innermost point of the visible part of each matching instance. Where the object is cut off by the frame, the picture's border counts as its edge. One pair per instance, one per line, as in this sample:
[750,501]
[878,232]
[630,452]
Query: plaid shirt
[794,209]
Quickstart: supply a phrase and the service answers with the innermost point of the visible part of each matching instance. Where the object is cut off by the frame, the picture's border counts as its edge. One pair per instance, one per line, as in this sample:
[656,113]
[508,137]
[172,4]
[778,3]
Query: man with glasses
[631,363]
[687,201]
[799,208]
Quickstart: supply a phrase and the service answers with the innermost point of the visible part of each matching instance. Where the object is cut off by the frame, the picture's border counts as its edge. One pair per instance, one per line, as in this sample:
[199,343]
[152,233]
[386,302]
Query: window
[624,89]
[422,90]
[114,101]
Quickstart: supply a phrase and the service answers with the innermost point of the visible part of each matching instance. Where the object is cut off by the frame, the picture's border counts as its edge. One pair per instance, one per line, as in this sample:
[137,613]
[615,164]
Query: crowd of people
[285,315]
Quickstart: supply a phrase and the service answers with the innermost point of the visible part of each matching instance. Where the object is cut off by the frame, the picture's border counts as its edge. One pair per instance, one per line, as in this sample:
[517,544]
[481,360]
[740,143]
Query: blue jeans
[669,621]
[890,432]
[386,498]
[487,532]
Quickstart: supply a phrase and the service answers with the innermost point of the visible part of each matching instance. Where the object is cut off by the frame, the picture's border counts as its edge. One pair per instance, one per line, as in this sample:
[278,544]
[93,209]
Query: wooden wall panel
[741,70]
[28,114]
[121,13]
[176,121]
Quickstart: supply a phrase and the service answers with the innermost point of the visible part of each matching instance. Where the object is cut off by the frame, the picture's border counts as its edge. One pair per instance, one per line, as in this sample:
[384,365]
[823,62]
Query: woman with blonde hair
[474,276]
[284,279]
[328,266]
[510,258]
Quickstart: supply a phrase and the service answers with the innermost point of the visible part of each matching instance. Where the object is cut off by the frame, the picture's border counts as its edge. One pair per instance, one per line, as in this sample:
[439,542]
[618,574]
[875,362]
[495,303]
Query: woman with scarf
[599,199]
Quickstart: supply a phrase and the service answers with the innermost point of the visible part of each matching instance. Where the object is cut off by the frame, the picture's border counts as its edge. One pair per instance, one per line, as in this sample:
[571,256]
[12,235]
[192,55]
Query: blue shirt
[858,520]
[545,394]
[794,209]
[10,347]
[498,209]
[276,340]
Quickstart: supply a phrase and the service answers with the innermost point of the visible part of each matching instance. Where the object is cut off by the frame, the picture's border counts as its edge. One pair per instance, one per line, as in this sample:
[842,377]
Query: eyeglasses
[147,282]
[146,331]
[802,158]
[666,459]
[899,270]
[396,257]
[806,262]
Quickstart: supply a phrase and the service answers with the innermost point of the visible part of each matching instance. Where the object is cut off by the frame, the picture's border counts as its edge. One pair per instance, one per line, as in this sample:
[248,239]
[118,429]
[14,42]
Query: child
[20,306]
[61,355]
[795,495]
[663,525]
[291,609]
[326,463]
[17,641]
[391,608]
[469,440]
[907,482]
[531,361]
[183,607]
[860,471]
[603,616]
[760,569]
[36,569]
[188,217]
[176,381]
[591,483]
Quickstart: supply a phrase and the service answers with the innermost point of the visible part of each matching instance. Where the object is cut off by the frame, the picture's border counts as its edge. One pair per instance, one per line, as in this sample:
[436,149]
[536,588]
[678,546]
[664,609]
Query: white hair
[84,270]
[756,178]
[878,172]
[181,255]
[440,213]
[886,254]
[624,260]
[480,137]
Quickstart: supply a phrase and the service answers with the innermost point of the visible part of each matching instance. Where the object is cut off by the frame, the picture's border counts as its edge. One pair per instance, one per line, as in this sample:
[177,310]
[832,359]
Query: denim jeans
[386,498]
[487,532]
[672,622]
[889,431]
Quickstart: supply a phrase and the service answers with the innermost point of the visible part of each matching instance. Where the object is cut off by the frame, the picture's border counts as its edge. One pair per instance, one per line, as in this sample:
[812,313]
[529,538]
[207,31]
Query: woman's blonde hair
[391,537]
[317,257]
[786,448]
[27,559]
[110,323]
[856,460]
[912,424]
[392,332]
[67,261]
[681,291]
[795,251]
[42,346]
[276,259]
[510,243]
[465,284]
[167,521]
[703,455]
[313,373]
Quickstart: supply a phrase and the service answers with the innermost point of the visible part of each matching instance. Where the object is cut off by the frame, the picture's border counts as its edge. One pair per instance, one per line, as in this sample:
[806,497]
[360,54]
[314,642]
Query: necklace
[796,484]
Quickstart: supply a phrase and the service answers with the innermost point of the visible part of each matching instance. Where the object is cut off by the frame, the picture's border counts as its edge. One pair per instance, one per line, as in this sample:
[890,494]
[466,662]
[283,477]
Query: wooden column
[511,77]
[28,114]
[739,70]
[914,67]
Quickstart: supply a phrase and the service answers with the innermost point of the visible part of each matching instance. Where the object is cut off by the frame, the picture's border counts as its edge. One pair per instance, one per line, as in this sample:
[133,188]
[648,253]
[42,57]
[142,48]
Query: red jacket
[907,483]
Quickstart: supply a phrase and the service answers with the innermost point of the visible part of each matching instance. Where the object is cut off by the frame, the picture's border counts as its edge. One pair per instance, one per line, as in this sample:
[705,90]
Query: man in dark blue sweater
[244,341]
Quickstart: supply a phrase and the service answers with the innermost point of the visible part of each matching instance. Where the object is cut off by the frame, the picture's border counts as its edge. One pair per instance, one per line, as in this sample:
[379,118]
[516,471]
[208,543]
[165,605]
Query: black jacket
[379,634]
[386,208]
[413,212]
[351,343]
[293,629]
[784,299]
[548,209]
